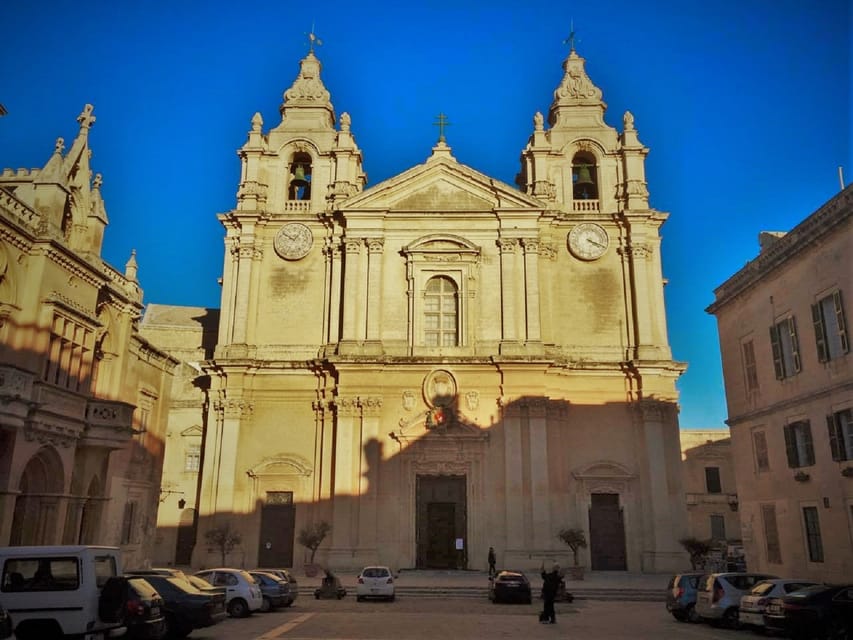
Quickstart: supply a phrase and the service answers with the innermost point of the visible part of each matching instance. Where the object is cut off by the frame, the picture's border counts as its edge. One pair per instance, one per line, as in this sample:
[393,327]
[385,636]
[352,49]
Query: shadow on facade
[78,465]
[440,488]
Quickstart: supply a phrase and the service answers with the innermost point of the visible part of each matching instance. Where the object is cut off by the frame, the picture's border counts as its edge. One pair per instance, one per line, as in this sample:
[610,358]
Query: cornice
[818,225]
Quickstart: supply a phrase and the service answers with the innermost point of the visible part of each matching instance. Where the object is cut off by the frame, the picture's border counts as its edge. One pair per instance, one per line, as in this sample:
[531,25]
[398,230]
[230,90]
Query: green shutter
[842,325]
[795,344]
[833,438]
[819,333]
[807,436]
[778,365]
[791,447]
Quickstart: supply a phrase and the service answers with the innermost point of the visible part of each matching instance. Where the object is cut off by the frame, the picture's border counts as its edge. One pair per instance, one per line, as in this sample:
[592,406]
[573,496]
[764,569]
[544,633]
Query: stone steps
[446,591]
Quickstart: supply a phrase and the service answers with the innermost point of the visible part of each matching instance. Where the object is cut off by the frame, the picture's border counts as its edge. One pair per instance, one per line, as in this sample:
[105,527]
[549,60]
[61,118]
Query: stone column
[531,284]
[660,524]
[509,311]
[368,476]
[245,256]
[639,255]
[255,286]
[351,289]
[347,444]
[230,413]
[374,289]
[514,486]
[539,473]
[333,311]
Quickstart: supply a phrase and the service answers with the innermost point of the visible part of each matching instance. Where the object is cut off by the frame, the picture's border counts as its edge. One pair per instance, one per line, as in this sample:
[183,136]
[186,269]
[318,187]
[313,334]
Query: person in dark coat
[550,586]
[492,562]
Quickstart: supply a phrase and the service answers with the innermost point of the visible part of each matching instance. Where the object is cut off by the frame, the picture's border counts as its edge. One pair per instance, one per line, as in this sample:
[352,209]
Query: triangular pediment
[194,430]
[441,185]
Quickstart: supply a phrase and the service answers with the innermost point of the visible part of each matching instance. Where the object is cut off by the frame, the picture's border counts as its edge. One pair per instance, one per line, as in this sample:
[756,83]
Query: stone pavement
[596,585]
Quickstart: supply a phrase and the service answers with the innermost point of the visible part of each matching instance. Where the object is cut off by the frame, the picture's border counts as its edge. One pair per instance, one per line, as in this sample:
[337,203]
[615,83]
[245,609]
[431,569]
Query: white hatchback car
[753,604]
[242,593]
[375,582]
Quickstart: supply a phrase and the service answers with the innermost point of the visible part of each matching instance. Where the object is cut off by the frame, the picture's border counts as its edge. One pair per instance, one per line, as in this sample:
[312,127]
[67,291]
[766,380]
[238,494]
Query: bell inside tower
[300,177]
[584,177]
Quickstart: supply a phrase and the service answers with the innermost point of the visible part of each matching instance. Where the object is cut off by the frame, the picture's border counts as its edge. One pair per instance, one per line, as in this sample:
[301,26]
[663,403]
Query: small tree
[224,539]
[311,536]
[575,539]
[698,550]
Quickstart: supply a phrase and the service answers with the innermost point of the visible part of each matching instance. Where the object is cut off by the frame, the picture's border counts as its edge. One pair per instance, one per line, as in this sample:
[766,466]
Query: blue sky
[745,105]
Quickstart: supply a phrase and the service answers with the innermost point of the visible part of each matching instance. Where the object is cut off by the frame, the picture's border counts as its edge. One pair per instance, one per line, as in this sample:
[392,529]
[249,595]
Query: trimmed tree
[311,536]
[575,539]
[224,539]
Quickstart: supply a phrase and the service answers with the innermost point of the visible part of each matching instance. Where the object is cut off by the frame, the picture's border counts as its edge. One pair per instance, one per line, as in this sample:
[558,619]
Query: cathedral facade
[438,363]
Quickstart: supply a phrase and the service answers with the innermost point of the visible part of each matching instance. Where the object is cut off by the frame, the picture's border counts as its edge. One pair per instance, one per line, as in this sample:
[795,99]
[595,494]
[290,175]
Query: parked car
[510,586]
[275,591]
[718,596]
[242,593]
[841,611]
[753,604]
[5,624]
[187,608]
[807,613]
[284,574]
[59,590]
[681,596]
[205,587]
[144,611]
[375,582]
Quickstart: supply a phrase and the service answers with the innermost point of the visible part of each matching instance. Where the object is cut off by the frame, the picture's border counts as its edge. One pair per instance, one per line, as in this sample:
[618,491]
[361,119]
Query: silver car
[753,604]
[718,596]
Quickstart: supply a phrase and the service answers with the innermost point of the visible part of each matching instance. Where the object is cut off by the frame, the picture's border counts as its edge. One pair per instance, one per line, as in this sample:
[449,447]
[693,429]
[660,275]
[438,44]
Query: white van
[56,591]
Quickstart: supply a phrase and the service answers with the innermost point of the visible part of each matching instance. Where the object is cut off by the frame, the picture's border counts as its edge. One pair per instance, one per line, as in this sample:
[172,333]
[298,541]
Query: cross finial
[86,119]
[570,40]
[313,40]
[441,122]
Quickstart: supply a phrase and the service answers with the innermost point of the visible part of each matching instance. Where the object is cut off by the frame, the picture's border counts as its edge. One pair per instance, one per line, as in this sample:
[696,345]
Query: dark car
[681,596]
[186,608]
[5,624]
[284,574]
[510,586]
[276,592]
[807,613]
[841,611]
[142,613]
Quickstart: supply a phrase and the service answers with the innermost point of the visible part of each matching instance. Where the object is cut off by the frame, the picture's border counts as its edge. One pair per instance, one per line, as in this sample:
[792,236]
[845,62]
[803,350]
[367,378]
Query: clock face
[588,241]
[293,241]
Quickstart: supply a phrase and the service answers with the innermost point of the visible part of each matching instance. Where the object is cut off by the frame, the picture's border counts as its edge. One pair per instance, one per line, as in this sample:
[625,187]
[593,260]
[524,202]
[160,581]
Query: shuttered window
[759,444]
[771,534]
[830,327]
[786,348]
[798,444]
[712,480]
[750,371]
[813,539]
[840,426]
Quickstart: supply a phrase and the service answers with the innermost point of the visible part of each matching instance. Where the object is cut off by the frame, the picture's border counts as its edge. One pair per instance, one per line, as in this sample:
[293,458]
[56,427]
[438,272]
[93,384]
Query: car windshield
[762,588]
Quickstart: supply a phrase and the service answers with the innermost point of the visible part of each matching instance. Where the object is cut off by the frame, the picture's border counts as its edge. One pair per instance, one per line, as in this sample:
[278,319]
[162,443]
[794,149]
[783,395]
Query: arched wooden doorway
[36,508]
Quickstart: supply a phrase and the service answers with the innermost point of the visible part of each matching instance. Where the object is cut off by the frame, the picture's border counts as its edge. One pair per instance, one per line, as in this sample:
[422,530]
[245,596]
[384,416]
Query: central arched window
[584,177]
[299,184]
[441,313]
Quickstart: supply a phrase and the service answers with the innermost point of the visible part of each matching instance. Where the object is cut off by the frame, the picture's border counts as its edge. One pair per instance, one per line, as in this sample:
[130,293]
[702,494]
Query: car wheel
[392,598]
[238,608]
[359,598]
[266,605]
[730,619]
[692,615]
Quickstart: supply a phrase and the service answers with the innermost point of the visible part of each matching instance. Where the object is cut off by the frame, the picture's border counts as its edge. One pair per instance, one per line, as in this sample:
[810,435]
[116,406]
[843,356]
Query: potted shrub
[576,540]
[311,537]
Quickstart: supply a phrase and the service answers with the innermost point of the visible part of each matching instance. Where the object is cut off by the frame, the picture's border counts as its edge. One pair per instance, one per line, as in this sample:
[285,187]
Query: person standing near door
[492,562]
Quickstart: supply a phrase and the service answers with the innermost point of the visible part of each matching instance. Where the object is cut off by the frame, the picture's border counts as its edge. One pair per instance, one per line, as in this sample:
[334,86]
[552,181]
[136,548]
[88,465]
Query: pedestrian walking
[492,562]
[550,586]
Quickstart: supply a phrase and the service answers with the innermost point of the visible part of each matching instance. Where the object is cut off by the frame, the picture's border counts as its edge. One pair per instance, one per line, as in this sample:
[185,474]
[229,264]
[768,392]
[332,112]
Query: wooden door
[606,533]
[278,520]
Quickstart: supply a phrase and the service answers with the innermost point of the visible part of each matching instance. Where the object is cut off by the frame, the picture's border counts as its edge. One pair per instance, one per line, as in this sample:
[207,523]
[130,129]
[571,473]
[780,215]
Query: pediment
[603,469]
[194,430]
[441,185]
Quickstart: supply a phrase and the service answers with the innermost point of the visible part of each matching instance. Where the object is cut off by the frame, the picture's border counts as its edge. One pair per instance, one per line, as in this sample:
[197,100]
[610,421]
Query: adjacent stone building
[710,486]
[441,362]
[785,344]
[83,397]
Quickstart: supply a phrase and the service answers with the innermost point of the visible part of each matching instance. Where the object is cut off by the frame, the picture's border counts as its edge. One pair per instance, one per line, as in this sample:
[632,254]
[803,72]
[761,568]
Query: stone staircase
[624,594]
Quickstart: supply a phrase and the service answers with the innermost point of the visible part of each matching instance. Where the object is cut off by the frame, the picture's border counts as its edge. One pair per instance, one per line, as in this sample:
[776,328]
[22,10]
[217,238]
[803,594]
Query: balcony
[297,206]
[109,423]
[585,205]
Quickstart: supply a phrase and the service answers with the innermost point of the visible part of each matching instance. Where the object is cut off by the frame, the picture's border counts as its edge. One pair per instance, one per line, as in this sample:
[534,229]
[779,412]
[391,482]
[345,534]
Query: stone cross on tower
[86,119]
[441,122]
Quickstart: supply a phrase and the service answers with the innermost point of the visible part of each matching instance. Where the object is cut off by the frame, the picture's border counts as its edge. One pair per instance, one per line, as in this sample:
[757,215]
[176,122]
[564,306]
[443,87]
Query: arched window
[441,313]
[299,185]
[584,177]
